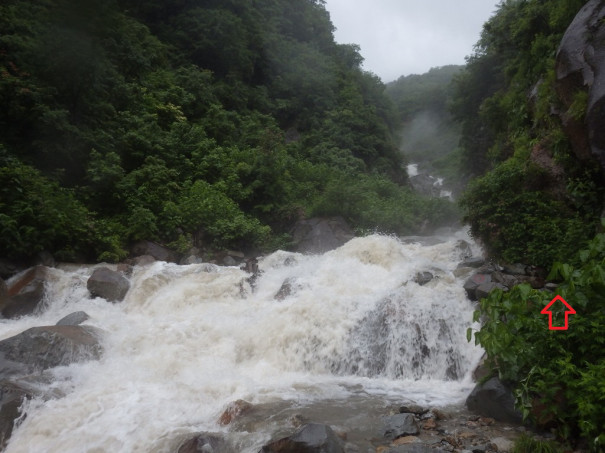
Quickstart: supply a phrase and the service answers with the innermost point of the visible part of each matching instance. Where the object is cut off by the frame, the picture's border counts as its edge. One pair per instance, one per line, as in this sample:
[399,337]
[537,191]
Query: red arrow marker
[568,310]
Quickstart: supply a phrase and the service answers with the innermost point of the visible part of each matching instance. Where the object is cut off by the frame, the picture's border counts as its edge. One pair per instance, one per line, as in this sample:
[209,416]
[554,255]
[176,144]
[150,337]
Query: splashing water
[187,340]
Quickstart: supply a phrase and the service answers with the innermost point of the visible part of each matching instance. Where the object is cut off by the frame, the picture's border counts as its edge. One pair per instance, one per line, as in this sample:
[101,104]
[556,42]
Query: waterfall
[187,340]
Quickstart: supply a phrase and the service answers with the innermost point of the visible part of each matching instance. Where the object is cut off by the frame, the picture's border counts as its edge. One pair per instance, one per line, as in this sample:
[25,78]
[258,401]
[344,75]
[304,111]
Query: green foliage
[558,375]
[527,444]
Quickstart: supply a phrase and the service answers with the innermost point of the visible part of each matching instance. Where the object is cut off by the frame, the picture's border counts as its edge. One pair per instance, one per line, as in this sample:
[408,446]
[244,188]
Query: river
[355,334]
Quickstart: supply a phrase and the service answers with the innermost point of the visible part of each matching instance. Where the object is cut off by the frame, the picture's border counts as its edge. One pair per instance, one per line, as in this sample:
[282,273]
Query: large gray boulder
[473,282]
[40,348]
[580,66]
[494,399]
[73,319]
[159,252]
[311,438]
[319,235]
[108,284]
[26,293]
[11,399]
[399,425]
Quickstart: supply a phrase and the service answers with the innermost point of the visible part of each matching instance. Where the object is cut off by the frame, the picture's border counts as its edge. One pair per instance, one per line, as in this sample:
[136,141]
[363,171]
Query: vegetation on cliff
[533,200]
[190,122]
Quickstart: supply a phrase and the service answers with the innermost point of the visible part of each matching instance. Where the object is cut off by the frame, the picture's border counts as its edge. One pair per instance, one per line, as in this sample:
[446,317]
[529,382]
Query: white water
[188,340]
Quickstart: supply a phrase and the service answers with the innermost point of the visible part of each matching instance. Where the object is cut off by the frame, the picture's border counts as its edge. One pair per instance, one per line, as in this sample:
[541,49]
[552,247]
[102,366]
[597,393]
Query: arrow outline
[568,311]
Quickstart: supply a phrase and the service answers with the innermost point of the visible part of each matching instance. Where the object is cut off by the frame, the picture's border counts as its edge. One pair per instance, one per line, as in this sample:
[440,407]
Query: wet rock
[143,260]
[204,443]
[45,258]
[26,294]
[73,319]
[482,370]
[413,409]
[311,438]
[471,285]
[580,66]
[40,348]
[514,269]
[191,259]
[494,399]
[463,249]
[157,251]
[503,444]
[126,269]
[484,289]
[551,286]
[229,261]
[319,235]
[286,289]
[233,411]
[400,425]
[472,262]
[406,440]
[422,278]
[431,423]
[413,448]
[110,285]
[11,399]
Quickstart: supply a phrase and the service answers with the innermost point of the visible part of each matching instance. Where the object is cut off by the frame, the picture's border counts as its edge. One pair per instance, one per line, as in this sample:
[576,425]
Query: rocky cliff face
[580,70]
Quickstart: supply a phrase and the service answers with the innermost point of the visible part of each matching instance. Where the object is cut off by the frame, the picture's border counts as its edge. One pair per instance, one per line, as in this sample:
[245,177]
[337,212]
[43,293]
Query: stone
[472,283]
[11,399]
[551,286]
[40,348]
[26,293]
[229,261]
[484,289]
[463,250]
[514,269]
[429,424]
[204,443]
[475,263]
[125,269]
[400,425]
[45,258]
[157,251]
[191,259]
[482,369]
[504,445]
[143,260]
[405,441]
[285,289]
[311,438]
[422,278]
[110,285]
[73,319]
[494,399]
[319,235]
[580,67]
[233,411]
[413,409]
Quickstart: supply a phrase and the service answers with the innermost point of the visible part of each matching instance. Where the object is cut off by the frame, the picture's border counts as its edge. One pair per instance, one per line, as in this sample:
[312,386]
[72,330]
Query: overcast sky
[402,37]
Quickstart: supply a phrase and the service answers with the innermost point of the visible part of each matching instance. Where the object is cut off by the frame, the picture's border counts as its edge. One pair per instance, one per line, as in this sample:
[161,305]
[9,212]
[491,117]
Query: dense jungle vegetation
[533,201]
[190,122]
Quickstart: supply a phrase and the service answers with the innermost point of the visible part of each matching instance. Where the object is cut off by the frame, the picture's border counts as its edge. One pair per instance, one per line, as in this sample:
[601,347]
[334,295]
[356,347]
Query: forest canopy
[190,122]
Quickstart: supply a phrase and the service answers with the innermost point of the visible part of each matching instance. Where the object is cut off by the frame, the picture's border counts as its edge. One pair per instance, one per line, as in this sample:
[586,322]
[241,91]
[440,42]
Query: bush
[558,375]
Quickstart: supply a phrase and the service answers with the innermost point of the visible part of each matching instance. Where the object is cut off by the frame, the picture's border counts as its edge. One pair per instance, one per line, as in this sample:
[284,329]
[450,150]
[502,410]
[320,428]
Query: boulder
[286,289]
[311,438]
[191,259]
[514,269]
[580,66]
[108,284]
[204,443]
[26,293]
[399,425]
[40,348]
[484,289]
[422,278]
[319,235]
[73,319]
[414,448]
[471,285]
[494,399]
[233,411]
[11,399]
[157,251]
[472,262]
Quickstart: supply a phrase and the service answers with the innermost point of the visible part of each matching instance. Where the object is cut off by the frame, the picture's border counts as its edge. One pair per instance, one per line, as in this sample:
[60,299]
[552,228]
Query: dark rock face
[483,290]
[493,399]
[108,284]
[311,438]
[422,278]
[159,252]
[11,398]
[26,294]
[580,65]
[203,443]
[73,319]
[40,348]
[471,285]
[233,411]
[319,235]
[400,425]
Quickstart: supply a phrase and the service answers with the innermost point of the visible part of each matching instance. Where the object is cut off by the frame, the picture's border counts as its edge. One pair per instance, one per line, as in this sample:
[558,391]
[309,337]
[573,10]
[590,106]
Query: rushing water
[355,329]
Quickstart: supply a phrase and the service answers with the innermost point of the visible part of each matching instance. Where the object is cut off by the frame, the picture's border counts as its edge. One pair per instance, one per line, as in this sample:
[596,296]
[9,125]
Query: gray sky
[402,37]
